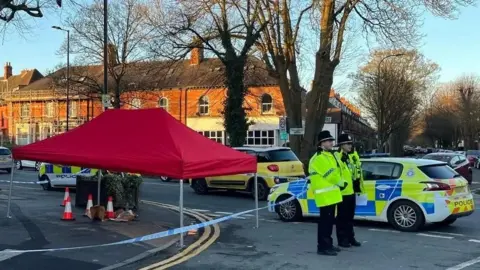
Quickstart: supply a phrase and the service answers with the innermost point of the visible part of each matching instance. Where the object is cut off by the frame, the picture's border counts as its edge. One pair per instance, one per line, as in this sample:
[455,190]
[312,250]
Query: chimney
[196,55]
[7,71]
[112,54]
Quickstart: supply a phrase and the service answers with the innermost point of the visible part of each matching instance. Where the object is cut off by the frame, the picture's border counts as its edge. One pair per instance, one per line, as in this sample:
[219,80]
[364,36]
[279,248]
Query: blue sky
[453,44]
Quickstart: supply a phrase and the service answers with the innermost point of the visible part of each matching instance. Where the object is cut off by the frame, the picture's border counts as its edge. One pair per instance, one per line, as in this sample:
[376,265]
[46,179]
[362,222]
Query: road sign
[282,124]
[283,135]
[297,131]
[106,101]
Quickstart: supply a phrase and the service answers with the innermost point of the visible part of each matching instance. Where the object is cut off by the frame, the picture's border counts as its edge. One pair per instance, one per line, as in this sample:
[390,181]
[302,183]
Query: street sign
[297,131]
[283,135]
[282,124]
[106,101]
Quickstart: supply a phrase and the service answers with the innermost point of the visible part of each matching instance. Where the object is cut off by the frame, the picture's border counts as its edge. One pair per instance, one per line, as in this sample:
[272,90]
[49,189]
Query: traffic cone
[67,214]
[192,231]
[67,195]
[89,204]
[110,214]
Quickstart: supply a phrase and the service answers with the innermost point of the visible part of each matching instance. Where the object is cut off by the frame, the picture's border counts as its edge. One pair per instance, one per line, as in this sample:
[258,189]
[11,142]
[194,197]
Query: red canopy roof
[147,141]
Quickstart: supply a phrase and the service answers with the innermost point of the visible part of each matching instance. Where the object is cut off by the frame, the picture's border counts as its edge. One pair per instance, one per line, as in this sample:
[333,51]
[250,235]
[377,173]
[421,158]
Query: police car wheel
[200,186]
[289,210]
[46,186]
[406,216]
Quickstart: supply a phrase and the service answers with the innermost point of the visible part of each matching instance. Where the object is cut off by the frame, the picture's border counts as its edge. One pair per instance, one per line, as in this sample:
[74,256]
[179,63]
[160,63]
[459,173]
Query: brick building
[191,90]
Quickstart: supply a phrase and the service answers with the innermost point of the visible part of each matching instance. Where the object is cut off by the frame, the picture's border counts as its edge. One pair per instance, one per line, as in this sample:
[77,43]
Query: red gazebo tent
[145,141]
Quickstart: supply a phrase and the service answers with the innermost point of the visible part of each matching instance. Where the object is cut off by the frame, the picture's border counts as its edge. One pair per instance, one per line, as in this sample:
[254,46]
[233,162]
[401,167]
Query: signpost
[282,125]
[297,131]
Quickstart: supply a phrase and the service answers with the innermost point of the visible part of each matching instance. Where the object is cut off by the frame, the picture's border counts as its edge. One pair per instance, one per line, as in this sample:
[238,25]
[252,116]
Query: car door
[381,184]
[236,181]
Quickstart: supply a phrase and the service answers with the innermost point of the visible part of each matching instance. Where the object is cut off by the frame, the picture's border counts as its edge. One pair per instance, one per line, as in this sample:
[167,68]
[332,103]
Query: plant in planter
[124,188]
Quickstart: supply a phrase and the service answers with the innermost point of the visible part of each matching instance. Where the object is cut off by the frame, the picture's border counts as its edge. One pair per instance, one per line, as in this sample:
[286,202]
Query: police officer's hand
[344,186]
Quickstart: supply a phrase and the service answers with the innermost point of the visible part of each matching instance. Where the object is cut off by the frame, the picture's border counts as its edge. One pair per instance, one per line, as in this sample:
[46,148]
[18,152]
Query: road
[279,245]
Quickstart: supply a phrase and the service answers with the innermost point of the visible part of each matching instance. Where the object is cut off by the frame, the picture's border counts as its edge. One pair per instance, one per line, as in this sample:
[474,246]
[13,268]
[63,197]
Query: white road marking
[269,220]
[384,230]
[435,236]
[248,215]
[474,240]
[224,213]
[200,210]
[7,255]
[465,264]
[239,217]
[447,233]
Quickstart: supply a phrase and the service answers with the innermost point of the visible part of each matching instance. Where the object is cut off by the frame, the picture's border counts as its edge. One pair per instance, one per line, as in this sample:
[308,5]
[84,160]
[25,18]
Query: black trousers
[325,227]
[344,220]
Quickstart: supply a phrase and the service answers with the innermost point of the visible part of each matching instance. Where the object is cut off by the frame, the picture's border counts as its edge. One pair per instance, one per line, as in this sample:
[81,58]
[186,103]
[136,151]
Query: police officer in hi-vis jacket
[346,209]
[326,184]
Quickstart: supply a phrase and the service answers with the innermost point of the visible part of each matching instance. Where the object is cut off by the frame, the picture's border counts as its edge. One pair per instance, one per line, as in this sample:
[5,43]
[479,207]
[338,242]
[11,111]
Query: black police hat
[325,135]
[344,139]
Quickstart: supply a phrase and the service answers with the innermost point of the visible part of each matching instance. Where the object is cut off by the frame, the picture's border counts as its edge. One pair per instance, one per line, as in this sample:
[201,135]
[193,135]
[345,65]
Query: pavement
[36,224]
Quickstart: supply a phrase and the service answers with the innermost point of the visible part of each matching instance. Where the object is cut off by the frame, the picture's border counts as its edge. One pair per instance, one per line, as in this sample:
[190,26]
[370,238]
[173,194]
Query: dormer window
[267,104]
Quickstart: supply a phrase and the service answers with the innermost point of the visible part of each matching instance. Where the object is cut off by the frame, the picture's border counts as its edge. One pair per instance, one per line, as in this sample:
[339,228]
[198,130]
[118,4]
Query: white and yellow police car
[405,192]
[53,176]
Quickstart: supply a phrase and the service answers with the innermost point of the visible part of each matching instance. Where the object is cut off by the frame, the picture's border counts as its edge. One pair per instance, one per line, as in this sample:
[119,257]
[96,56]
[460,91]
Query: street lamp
[378,75]
[68,70]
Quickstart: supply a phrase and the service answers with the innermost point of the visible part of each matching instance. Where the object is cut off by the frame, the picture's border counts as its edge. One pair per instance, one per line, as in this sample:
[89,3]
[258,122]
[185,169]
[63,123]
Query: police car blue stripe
[312,207]
[429,208]
[392,190]
[366,210]
[49,168]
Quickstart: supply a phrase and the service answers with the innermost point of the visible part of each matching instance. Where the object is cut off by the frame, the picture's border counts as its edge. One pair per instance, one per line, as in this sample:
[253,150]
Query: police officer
[346,209]
[326,183]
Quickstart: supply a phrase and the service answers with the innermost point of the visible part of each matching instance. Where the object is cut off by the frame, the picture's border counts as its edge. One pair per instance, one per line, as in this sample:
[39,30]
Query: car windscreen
[5,152]
[281,155]
[439,171]
[444,158]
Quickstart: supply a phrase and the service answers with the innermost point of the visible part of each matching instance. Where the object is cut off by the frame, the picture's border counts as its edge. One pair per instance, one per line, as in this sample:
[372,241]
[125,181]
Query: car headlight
[272,190]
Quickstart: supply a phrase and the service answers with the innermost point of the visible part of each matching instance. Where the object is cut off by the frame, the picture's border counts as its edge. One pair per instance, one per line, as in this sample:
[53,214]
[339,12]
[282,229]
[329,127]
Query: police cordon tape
[166,233]
[21,182]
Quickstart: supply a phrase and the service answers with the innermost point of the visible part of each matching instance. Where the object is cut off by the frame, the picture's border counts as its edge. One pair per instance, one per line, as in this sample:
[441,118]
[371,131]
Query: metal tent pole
[256,201]
[181,211]
[10,191]
[99,185]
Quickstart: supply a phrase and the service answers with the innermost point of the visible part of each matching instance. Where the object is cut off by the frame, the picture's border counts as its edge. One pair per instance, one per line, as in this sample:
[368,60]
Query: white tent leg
[256,200]
[99,186]
[10,191]
[181,211]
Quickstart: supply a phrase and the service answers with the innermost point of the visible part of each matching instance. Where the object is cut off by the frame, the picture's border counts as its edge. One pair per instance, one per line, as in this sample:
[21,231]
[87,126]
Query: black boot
[355,243]
[327,252]
[336,249]
[344,244]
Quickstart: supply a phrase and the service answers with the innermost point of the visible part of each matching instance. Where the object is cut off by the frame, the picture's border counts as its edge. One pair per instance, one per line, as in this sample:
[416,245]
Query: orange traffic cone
[67,214]
[110,214]
[89,204]
[67,195]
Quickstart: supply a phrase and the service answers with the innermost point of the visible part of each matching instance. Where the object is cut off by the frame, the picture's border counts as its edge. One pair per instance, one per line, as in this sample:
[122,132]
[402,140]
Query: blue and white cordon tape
[163,233]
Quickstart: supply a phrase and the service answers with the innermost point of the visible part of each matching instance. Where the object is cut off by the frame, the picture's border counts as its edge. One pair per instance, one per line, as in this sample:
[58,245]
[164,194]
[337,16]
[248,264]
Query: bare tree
[128,34]
[228,30]
[278,46]
[395,22]
[391,93]
[9,8]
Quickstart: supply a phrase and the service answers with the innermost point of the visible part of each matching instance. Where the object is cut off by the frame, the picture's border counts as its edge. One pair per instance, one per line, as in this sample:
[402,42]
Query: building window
[214,135]
[22,137]
[136,103]
[203,105]
[267,104]
[25,110]
[72,109]
[261,137]
[163,103]
[48,112]
[46,132]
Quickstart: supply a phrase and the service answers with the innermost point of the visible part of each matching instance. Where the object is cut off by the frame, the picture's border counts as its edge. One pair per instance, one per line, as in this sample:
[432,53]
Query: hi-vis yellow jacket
[325,179]
[347,172]
[358,173]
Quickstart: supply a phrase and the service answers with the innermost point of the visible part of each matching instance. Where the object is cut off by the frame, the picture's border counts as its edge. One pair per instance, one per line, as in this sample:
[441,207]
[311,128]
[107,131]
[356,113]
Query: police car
[52,175]
[405,192]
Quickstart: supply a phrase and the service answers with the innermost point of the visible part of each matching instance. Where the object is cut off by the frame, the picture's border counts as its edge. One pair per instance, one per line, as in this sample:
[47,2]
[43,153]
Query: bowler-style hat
[344,139]
[325,135]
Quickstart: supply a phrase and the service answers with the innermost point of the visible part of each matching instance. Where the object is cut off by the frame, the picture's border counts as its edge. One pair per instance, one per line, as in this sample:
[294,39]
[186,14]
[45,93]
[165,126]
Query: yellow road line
[187,253]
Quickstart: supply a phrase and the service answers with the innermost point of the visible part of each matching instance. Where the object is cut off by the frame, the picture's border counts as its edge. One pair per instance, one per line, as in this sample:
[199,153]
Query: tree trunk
[116,96]
[235,118]
[316,106]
